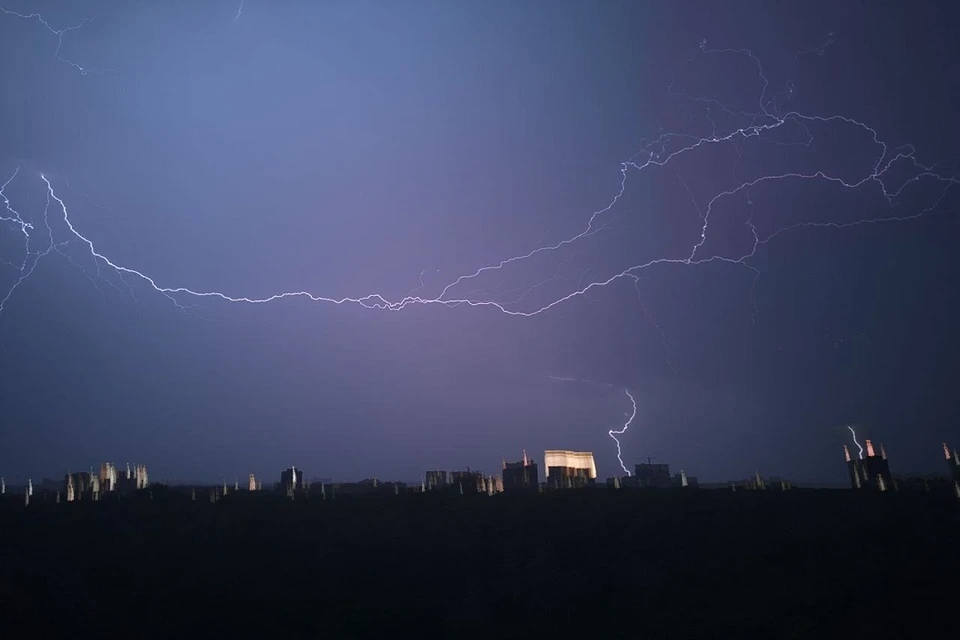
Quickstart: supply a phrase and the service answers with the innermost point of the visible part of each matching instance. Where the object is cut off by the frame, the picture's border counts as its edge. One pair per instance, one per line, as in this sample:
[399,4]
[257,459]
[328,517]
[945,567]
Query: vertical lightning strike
[854,435]
[613,433]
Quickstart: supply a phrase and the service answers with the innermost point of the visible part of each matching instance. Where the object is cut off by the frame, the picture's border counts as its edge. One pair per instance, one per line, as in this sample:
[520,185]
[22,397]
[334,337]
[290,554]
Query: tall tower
[252,483]
[29,487]
[3,486]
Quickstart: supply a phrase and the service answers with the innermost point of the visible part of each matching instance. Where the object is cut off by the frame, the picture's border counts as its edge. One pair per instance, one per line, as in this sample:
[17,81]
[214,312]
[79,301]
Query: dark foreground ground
[673,564]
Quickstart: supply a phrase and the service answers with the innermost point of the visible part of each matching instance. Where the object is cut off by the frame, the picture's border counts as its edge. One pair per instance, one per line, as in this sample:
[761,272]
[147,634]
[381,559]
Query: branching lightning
[83,69]
[769,116]
[854,435]
[614,433]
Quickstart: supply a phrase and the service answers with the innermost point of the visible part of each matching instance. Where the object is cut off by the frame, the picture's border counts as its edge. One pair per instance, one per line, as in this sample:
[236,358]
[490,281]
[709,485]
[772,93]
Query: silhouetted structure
[569,469]
[871,472]
[108,477]
[79,485]
[292,480]
[652,475]
[434,480]
[468,481]
[521,476]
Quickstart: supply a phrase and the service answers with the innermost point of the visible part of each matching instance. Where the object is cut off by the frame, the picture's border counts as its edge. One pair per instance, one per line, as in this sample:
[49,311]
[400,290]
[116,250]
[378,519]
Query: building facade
[569,469]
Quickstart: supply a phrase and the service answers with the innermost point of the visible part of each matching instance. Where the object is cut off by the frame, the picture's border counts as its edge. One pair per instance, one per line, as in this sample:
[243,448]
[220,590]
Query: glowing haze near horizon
[371,240]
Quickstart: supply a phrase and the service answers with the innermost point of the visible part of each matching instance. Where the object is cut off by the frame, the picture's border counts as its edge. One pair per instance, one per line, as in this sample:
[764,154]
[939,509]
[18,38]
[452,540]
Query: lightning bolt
[59,33]
[854,435]
[614,433]
[770,116]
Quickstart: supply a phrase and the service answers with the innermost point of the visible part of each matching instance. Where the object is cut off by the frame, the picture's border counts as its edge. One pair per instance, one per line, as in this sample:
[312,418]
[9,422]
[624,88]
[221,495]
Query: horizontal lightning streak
[658,153]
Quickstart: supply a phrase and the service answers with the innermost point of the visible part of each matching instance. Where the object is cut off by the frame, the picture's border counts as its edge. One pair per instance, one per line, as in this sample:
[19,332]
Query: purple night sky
[353,148]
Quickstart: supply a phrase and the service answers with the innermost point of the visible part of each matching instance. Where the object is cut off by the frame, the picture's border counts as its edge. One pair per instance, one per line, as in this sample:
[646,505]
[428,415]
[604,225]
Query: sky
[701,186]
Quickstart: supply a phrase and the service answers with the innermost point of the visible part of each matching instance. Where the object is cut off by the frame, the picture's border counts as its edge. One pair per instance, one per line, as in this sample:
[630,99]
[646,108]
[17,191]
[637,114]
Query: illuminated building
[292,479]
[140,473]
[870,472]
[468,481]
[252,483]
[953,460]
[82,483]
[652,475]
[29,487]
[521,476]
[3,486]
[108,477]
[434,480]
[683,480]
[569,469]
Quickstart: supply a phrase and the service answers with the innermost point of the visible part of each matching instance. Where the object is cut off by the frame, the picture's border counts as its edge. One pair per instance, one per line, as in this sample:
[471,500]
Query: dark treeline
[637,564]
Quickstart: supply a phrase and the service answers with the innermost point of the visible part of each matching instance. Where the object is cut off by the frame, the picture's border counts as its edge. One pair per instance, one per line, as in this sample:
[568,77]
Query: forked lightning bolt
[614,433]
[83,69]
[853,434]
[659,153]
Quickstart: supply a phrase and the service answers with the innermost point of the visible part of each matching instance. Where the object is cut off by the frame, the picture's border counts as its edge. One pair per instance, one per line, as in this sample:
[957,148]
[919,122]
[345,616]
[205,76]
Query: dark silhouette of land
[664,564]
